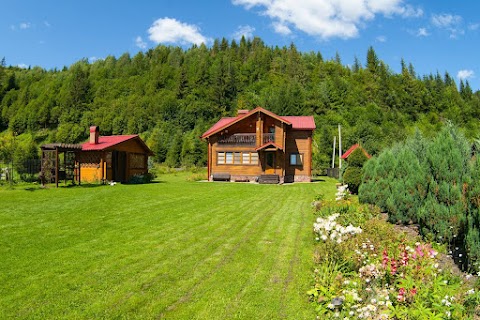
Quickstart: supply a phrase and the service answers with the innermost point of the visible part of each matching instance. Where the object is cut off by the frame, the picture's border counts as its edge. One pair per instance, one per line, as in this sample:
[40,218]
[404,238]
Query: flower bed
[365,269]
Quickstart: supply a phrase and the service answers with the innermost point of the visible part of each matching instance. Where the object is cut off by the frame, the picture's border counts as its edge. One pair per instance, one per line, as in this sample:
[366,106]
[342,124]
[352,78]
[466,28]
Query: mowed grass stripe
[171,250]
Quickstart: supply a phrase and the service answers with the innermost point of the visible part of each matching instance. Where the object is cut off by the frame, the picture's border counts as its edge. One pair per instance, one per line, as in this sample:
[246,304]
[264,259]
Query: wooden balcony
[242,139]
[245,139]
[268,137]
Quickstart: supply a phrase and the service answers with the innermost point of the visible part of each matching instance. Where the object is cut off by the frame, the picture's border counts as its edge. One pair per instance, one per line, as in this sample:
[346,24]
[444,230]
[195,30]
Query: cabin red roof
[105,142]
[301,122]
[297,122]
[223,122]
[352,148]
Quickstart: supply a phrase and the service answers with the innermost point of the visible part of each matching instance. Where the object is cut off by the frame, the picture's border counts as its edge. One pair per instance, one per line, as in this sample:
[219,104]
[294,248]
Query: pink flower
[404,260]
[419,251]
[393,267]
[385,258]
[401,295]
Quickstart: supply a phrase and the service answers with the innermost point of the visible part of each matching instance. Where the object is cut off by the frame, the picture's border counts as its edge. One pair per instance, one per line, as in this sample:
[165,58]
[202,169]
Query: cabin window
[229,157]
[221,158]
[296,159]
[237,158]
[246,158]
[254,158]
[137,161]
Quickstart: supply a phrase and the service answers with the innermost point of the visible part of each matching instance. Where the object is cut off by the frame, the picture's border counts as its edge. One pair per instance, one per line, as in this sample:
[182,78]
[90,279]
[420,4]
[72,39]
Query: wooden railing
[244,139]
[268,137]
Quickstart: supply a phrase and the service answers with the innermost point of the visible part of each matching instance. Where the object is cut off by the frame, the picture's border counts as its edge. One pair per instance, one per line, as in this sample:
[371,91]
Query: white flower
[471,291]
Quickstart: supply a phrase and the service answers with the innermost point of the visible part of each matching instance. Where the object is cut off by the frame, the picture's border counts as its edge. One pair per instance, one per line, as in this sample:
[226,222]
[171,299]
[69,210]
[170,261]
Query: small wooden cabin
[112,158]
[259,144]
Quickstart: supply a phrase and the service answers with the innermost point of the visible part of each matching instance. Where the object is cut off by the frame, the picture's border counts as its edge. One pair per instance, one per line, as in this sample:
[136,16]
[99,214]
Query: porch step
[269,178]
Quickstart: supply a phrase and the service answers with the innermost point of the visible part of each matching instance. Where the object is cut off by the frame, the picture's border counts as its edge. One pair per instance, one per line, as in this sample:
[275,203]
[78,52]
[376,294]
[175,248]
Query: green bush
[433,183]
[357,158]
[353,172]
[353,178]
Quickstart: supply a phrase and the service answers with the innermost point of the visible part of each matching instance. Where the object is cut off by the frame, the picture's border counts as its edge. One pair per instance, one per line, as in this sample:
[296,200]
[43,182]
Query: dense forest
[170,96]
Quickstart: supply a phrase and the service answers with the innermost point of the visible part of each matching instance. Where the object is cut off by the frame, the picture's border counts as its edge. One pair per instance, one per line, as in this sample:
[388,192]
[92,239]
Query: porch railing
[268,137]
[244,139]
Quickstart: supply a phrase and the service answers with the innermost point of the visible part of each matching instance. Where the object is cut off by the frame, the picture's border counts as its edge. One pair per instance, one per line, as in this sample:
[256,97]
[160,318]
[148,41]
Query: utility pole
[339,146]
[333,154]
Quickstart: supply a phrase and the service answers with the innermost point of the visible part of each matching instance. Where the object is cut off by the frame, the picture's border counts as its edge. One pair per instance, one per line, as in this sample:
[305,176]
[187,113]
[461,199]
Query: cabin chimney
[94,134]
[241,112]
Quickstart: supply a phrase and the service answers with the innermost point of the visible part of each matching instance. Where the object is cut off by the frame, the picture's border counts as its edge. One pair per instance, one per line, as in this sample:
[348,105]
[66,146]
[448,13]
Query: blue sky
[432,35]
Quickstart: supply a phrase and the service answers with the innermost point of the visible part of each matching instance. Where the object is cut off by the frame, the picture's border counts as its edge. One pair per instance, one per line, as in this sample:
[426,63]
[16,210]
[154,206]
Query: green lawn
[173,249]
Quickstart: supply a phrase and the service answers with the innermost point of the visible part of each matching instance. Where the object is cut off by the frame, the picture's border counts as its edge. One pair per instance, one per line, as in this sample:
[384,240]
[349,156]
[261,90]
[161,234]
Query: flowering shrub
[376,272]
[329,229]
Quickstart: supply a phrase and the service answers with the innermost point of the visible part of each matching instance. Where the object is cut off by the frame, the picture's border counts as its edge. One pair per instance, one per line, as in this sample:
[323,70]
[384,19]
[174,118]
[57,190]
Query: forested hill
[170,96]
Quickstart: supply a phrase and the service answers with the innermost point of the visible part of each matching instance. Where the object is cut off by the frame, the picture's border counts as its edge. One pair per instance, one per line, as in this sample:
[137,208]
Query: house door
[119,162]
[270,162]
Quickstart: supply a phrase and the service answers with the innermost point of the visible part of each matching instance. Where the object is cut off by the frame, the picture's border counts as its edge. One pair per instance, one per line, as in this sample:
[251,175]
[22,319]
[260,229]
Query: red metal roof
[297,122]
[223,122]
[105,142]
[301,122]
[352,148]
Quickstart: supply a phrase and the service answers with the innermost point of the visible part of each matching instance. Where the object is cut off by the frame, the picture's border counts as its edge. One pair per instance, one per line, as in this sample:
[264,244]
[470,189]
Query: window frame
[298,159]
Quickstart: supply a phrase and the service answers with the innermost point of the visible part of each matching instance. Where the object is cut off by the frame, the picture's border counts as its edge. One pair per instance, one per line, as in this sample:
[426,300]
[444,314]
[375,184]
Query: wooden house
[112,158]
[257,144]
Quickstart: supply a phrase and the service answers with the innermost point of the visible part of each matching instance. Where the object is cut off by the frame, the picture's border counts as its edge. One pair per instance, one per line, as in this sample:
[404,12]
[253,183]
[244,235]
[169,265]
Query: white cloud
[245,31]
[473,26]
[24,25]
[140,43]
[381,39]
[452,23]
[326,18]
[22,65]
[411,12]
[422,32]
[465,74]
[93,59]
[167,30]
[281,28]
[446,20]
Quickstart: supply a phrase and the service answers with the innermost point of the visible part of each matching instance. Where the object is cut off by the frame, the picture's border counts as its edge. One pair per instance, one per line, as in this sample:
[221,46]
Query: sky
[435,36]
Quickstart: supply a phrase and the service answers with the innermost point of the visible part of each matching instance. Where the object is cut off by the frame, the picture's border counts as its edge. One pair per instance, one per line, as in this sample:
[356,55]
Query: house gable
[225,123]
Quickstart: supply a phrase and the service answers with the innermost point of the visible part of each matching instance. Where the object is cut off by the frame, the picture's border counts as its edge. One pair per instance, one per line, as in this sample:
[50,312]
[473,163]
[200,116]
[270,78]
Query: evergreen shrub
[353,173]
[434,183]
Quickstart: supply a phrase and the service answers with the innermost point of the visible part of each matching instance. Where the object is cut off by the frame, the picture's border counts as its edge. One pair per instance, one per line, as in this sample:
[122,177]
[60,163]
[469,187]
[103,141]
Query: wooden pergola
[59,162]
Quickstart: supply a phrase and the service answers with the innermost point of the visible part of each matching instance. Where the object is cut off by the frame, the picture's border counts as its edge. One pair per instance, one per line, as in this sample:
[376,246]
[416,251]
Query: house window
[246,158]
[254,158]
[137,161]
[296,159]
[237,158]
[229,157]
[221,158]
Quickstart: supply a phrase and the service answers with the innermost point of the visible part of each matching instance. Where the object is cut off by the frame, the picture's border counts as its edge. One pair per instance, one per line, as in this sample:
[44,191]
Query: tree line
[170,96]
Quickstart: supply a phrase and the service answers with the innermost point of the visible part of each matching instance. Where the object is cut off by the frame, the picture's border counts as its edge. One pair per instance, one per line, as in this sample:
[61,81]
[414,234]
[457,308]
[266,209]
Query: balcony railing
[268,137]
[244,139]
